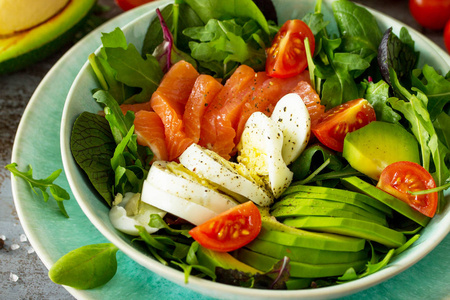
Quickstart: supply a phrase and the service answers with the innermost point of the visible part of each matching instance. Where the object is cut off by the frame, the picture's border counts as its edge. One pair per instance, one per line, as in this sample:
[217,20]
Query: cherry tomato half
[400,177]
[431,14]
[229,230]
[342,119]
[129,4]
[287,57]
[447,36]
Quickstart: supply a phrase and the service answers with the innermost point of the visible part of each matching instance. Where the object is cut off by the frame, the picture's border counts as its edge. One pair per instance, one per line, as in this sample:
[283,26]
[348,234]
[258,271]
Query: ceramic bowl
[80,99]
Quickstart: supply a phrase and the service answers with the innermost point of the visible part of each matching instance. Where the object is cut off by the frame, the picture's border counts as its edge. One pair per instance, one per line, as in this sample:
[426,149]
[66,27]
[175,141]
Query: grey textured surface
[22,274]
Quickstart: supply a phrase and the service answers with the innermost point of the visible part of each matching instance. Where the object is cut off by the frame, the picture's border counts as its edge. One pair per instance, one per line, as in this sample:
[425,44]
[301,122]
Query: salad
[250,152]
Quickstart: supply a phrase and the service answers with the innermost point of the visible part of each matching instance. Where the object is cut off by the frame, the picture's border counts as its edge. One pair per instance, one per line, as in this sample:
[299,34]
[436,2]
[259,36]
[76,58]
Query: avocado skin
[34,55]
[356,184]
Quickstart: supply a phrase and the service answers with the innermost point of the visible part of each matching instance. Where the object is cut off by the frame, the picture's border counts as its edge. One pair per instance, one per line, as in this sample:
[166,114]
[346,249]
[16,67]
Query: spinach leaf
[58,193]
[358,28]
[92,146]
[87,267]
[312,157]
[396,54]
[223,10]
[377,95]
[339,74]
[434,86]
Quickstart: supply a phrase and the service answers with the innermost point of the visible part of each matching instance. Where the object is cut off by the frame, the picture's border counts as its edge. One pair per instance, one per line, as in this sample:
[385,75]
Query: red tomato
[230,230]
[342,119]
[447,36]
[403,176]
[129,4]
[287,57]
[432,14]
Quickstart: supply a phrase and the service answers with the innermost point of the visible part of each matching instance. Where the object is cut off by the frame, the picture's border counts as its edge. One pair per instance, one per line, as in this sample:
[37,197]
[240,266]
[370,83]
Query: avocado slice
[335,194]
[309,208]
[212,259]
[350,227]
[298,283]
[279,233]
[373,147]
[356,184]
[301,270]
[305,255]
[29,46]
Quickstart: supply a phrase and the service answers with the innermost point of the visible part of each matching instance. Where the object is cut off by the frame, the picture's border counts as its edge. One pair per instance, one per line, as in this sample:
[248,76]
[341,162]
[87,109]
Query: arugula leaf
[442,126]
[58,193]
[415,111]
[135,71]
[358,28]
[92,146]
[223,10]
[434,86]
[86,267]
[377,95]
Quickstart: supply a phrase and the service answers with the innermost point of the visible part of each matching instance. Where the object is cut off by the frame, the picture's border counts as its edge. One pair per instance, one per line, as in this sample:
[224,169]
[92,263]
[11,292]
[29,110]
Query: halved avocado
[29,46]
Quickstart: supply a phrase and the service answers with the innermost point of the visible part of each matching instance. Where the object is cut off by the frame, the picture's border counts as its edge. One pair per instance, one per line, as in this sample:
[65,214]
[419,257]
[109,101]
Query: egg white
[128,211]
[178,206]
[228,175]
[187,187]
[293,119]
[260,150]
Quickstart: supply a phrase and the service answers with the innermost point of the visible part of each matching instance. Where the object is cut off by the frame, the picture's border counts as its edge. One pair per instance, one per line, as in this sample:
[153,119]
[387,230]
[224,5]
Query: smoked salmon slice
[204,91]
[150,132]
[311,100]
[136,107]
[265,97]
[213,128]
[169,101]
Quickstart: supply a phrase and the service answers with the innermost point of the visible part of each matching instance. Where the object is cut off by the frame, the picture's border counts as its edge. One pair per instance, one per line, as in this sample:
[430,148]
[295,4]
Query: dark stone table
[22,274]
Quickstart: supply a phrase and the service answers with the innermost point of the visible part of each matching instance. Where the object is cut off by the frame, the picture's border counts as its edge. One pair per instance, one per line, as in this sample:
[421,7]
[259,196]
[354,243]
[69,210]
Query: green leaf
[58,193]
[358,28]
[434,86]
[223,10]
[377,95]
[135,71]
[87,267]
[92,146]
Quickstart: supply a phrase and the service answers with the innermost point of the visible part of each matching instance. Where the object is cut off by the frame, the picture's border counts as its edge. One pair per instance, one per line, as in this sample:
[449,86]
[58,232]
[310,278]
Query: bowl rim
[201,285]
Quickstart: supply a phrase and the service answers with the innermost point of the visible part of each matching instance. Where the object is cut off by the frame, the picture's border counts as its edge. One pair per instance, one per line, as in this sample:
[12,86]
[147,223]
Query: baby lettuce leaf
[223,10]
[228,43]
[58,193]
[186,18]
[396,54]
[358,28]
[92,146]
[377,94]
[434,86]
[86,267]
